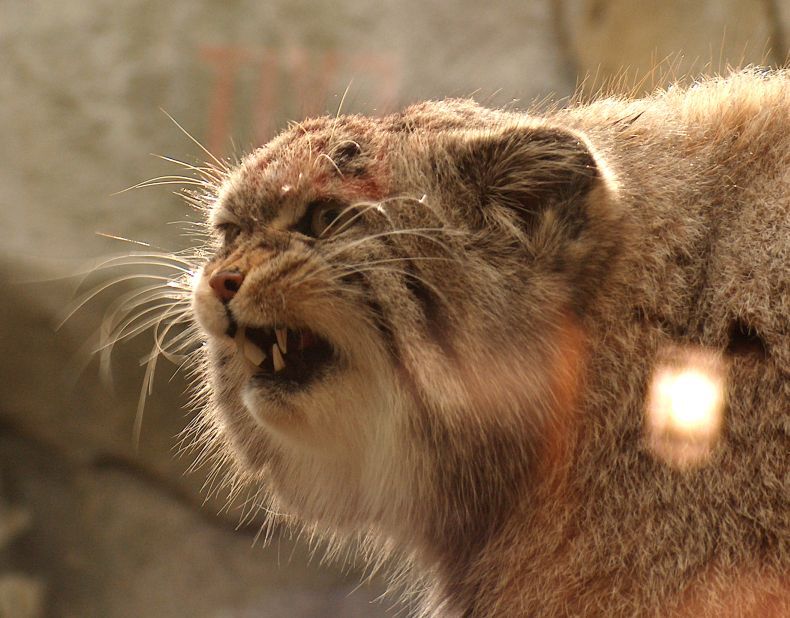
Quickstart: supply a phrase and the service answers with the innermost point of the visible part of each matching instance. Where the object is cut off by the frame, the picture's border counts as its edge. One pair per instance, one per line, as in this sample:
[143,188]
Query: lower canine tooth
[277,358]
[282,339]
[253,353]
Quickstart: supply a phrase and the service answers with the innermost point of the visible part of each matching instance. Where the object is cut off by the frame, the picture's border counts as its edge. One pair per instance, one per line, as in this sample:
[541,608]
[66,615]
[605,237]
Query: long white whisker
[122,239]
[365,206]
[406,273]
[196,224]
[109,336]
[113,325]
[409,200]
[130,302]
[208,172]
[194,331]
[123,260]
[200,203]
[145,390]
[419,232]
[306,133]
[184,338]
[106,350]
[163,180]
[339,109]
[317,272]
[160,337]
[323,155]
[347,224]
[139,258]
[150,370]
[414,258]
[223,166]
[96,291]
[120,332]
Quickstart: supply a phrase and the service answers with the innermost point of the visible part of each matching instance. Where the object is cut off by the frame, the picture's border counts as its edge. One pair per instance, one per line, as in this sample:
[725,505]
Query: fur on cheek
[340,453]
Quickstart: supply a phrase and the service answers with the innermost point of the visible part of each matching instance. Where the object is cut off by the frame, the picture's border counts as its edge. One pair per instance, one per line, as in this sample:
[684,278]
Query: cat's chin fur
[495,313]
[333,451]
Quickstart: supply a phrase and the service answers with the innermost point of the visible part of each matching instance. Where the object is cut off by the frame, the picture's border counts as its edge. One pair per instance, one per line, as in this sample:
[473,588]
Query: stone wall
[90,524]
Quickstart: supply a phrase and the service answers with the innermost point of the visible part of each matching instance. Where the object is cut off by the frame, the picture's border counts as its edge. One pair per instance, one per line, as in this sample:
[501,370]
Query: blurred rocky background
[92,524]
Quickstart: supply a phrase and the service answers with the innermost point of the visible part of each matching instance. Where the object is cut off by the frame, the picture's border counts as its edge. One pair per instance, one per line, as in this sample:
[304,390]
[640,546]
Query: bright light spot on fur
[689,399]
[685,407]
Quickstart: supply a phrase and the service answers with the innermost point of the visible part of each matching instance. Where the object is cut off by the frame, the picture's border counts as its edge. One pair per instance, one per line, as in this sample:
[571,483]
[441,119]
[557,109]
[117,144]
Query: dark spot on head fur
[349,158]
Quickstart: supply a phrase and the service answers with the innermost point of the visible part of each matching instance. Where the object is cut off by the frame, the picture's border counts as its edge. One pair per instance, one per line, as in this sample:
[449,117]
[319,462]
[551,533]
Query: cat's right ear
[528,169]
[548,181]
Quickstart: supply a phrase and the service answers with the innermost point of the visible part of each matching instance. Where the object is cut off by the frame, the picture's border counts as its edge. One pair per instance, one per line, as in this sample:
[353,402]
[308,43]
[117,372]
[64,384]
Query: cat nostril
[226,283]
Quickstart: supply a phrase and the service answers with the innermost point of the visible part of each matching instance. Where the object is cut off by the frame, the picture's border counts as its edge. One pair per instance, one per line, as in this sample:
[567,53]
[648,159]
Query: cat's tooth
[277,358]
[253,353]
[282,339]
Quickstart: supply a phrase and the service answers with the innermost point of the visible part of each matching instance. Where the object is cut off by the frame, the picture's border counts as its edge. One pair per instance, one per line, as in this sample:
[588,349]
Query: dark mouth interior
[304,355]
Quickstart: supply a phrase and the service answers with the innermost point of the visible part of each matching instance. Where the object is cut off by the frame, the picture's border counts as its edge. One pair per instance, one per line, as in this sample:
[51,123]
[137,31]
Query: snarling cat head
[391,312]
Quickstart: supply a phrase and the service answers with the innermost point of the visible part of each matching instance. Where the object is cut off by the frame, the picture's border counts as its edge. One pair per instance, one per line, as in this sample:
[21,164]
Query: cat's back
[704,173]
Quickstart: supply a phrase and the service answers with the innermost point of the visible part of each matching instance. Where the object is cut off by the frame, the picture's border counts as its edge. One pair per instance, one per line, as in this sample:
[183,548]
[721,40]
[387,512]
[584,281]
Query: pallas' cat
[544,360]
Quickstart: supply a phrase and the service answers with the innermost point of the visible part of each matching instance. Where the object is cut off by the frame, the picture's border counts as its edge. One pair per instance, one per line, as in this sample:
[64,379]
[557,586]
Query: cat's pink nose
[225,284]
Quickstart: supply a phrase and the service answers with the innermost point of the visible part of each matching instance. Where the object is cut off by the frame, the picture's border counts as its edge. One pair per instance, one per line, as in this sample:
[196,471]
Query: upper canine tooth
[282,339]
[277,358]
[253,353]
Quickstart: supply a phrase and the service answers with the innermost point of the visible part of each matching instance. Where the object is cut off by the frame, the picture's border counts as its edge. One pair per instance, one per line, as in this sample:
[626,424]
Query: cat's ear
[528,169]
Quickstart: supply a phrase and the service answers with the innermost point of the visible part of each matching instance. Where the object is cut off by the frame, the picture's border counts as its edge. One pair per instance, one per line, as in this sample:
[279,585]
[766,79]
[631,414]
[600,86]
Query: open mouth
[282,355]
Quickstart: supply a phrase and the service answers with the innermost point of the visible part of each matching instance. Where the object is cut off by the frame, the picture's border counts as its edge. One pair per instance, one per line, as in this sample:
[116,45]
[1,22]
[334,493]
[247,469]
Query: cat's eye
[327,217]
[228,231]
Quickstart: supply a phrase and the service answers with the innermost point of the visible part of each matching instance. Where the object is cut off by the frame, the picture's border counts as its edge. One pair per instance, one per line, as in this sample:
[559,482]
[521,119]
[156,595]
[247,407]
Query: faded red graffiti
[291,82]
